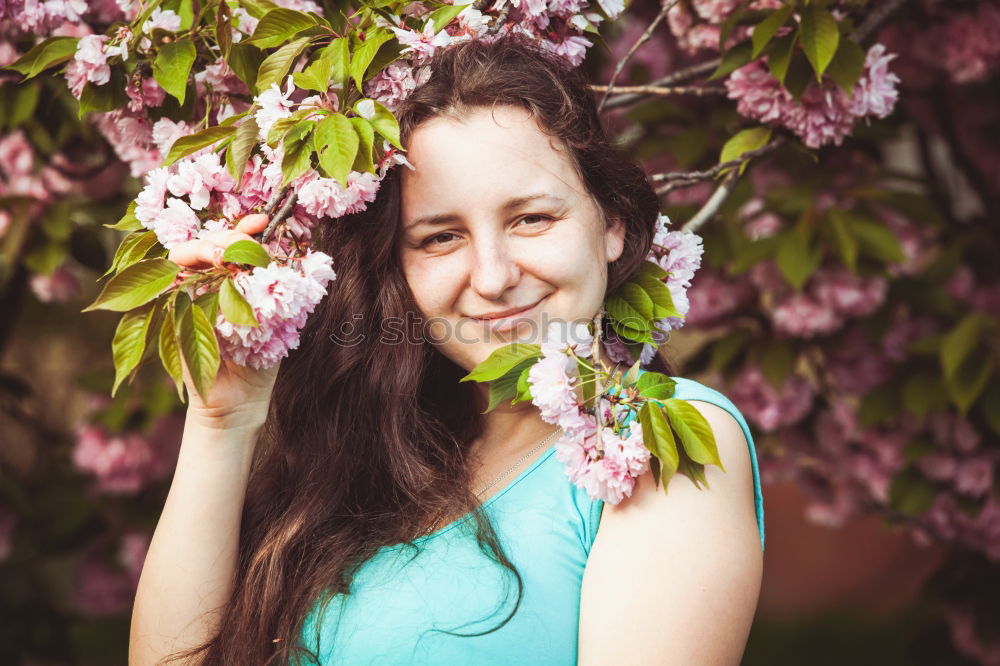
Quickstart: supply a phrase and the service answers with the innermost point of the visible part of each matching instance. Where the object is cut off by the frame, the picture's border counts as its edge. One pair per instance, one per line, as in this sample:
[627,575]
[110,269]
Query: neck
[509,430]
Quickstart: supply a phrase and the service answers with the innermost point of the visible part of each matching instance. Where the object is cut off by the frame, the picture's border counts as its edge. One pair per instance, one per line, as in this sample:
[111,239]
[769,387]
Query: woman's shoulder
[733,438]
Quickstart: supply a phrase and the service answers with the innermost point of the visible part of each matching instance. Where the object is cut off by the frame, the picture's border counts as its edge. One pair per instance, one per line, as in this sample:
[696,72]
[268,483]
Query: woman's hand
[240,395]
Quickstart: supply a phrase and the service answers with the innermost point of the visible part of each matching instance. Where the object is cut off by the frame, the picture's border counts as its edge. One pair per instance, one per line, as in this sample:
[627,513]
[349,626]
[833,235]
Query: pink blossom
[825,114]
[166,131]
[146,94]
[847,293]
[60,286]
[572,49]
[99,590]
[856,364]
[394,83]
[89,65]
[131,137]
[325,198]
[176,223]
[713,298]
[162,19]
[420,46]
[121,464]
[802,316]
[272,104]
[281,296]
[769,407]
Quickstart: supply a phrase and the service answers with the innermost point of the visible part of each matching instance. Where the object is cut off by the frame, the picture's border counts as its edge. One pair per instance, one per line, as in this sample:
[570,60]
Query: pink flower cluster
[830,297]
[282,296]
[825,114]
[767,406]
[966,44]
[698,25]
[608,470]
[124,464]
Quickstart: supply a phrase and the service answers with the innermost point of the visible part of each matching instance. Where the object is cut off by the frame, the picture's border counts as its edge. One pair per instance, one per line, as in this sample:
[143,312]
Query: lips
[505,320]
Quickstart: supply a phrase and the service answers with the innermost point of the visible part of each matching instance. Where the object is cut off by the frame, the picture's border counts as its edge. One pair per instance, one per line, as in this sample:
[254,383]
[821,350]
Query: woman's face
[500,236]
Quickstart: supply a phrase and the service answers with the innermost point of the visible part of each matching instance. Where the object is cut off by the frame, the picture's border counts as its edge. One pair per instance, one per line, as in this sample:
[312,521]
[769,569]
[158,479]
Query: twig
[499,20]
[713,204]
[698,91]
[879,15]
[667,6]
[269,207]
[283,212]
[680,76]
[718,168]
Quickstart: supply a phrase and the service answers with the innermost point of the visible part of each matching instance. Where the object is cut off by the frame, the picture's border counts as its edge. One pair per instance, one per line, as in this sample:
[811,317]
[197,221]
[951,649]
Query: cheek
[433,284]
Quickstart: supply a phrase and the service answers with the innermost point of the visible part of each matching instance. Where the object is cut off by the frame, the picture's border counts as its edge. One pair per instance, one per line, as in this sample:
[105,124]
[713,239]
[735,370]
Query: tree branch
[667,6]
[698,91]
[718,168]
[713,204]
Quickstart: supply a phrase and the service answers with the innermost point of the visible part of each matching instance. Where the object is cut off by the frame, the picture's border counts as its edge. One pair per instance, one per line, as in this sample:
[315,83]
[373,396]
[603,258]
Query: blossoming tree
[831,166]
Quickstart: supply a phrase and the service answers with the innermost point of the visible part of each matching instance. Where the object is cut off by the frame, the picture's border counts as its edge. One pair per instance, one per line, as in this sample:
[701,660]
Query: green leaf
[922,392]
[336,144]
[799,76]
[910,493]
[877,240]
[502,360]
[879,404]
[382,120]
[280,25]
[104,98]
[133,248]
[191,143]
[506,387]
[795,260]
[209,304]
[338,54]
[659,293]
[245,60]
[631,378]
[442,16]
[777,362]
[223,32]
[658,438]
[298,147]
[365,53]
[172,67]
[314,77]
[629,334]
[656,386]
[695,433]
[22,103]
[847,66]
[366,139]
[625,315]
[965,359]
[744,141]
[170,354]
[200,349]
[820,36]
[764,31]
[246,252]
[239,151]
[651,269]
[637,299]
[49,53]
[136,285]
[129,343]
[588,383]
[276,65]
[780,56]
[235,307]
[733,59]
[128,222]
[843,237]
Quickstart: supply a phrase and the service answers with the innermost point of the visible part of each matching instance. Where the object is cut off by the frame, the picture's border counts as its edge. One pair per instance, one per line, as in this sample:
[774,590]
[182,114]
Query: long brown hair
[367,435]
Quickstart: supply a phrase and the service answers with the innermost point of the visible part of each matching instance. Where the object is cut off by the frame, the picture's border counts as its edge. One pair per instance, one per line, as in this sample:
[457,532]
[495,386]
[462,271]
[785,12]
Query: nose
[494,266]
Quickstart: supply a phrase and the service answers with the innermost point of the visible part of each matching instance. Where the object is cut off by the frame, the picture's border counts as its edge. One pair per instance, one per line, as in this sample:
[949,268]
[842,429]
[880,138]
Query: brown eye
[433,240]
[539,218]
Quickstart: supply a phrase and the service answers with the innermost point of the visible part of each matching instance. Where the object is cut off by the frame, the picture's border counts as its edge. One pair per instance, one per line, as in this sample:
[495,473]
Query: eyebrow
[510,204]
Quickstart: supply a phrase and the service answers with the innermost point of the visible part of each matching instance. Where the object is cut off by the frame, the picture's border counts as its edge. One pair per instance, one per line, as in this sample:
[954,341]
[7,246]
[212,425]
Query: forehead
[481,160]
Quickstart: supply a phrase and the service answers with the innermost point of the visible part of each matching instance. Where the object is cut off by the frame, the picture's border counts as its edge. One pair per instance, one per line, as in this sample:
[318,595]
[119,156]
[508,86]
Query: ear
[614,238]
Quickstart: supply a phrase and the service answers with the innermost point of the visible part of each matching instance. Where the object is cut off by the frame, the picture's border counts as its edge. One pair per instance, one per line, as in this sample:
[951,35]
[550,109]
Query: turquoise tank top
[546,526]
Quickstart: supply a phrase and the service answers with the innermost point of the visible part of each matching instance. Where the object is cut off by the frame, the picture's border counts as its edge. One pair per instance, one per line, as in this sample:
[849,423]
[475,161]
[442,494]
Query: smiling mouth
[504,321]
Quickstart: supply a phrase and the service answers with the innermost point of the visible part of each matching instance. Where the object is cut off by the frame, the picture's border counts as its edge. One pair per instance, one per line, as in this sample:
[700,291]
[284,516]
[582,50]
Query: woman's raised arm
[188,574]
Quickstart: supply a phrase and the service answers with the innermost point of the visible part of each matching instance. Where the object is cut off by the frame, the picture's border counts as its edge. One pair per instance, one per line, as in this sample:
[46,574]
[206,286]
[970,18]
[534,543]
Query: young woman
[359,505]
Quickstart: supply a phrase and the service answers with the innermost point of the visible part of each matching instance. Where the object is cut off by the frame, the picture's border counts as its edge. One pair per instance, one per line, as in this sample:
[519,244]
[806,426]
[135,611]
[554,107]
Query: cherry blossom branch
[698,91]
[639,42]
[283,212]
[713,204]
[680,76]
[692,177]
[873,21]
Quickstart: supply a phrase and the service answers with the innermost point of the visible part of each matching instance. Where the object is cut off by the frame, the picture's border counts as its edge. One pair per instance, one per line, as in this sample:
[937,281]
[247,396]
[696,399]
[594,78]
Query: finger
[193,254]
[227,237]
[253,224]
